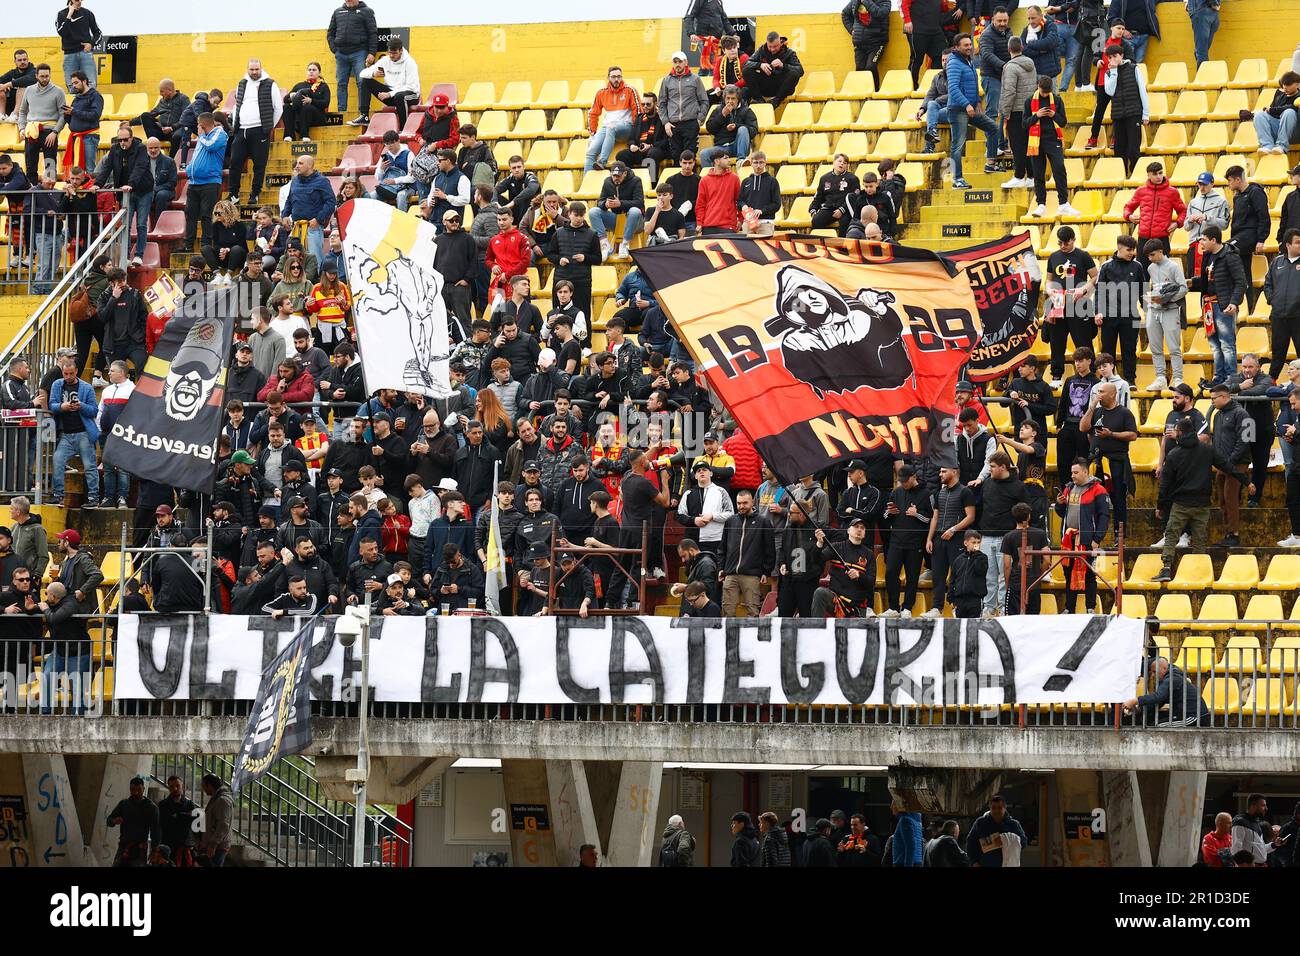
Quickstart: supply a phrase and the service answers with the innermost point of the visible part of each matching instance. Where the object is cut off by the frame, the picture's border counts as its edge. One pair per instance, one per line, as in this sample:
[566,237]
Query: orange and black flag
[1006,278]
[823,349]
[169,428]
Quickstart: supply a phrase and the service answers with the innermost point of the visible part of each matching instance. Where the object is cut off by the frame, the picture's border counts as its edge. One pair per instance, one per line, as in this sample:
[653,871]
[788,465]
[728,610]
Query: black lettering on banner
[620,678]
[322,643]
[732,692]
[564,660]
[856,688]
[430,690]
[695,641]
[1007,679]
[201,689]
[161,683]
[270,628]
[797,692]
[896,659]
[743,347]
[479,673]
[1077,651]
[953,679]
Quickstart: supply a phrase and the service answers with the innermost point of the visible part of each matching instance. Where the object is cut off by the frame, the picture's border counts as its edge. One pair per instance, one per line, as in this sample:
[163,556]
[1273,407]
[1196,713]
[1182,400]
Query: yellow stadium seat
[1144,569]
[561,180]
[1170,139]
[517,95]
[926,79]
[569,122]
[1107,173]
[764,114]
[667,173]
[1267,699]
[1134,605]
[799,216]
[503,149]
[553,95]
[1157,106]
[604,280]
[777,147]
[479,96]
[1272,170]
[875,114]
[1116,211]
[1254,338]
[1090,206]
[1284,655]
[1178,243]
[1251,74]
[1080,147]
[1210,138]
[640,84]
[1240,655]
[1221,695]
[109,104]
[906,117]
[1156,415]
[794,118]
[1174,611]
[1283,573]
[1186,170]
[575,157]
[531,124]
[131,106]
[1143,454]
[915,174]
[1211,75]
[1229,105]
[585,95]
[892,144]
[857,85]
[544,154]
[1190,107]
[813,148]
[1263,609]
[1102,240]
[896,85]
[835,116]
[853,145]
[1172,75]
[1240,573]
[816,85]
[493,124]
[590,186]
[1197,654]
[1246,140]
[792,179]
[1195,573]
[1139,175]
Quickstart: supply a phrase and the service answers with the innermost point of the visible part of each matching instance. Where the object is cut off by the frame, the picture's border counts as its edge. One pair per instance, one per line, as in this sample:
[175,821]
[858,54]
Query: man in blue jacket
[988,837]
[74,402]
[1043,44]
[310,199]
[905,846]
[84,112]
[964,108]
[204,173]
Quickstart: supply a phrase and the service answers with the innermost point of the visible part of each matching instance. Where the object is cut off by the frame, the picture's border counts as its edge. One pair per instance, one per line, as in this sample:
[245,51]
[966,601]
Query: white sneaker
[889,612]
[1158,384]
[606,248]
[1067,210]
[933,612]
[1290,541]
[1175,383]
[1085,89]
[1039,211]
[288,139]
[868,612]
[137,261]
[98,381]
[661,234]
[1281,150]
[1160,543]
[905,613]
[1184,541]
[306,139]
[659,573]
[988,615]
[1013,183]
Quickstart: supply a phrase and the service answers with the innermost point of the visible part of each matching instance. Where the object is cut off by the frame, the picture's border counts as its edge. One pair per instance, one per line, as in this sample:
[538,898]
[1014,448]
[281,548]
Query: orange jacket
[610,100]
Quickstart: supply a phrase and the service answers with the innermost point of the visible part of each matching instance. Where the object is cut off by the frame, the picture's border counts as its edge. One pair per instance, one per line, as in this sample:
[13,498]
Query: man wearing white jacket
[705,509]
[258,107]
[394,79]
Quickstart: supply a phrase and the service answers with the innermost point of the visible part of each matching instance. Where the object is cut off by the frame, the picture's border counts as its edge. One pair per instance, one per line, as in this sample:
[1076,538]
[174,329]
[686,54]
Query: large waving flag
[280,724]
[1006,278]
[495,567]
[823,349]
[397,299]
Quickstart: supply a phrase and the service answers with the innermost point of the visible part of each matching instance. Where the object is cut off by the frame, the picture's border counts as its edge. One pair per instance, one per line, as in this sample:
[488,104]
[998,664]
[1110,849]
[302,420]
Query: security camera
[347,629]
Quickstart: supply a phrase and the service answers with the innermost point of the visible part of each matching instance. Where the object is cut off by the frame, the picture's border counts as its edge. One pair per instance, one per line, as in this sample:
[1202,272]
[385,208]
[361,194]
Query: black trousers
[401,102]
[940,562]
[1259,454]
[199,201]
[824,218]
[1121,478]
[1124,332]
[92,330]
[1284,330]
[299,119]
[149,123]
[1033,600]
[777,86]
[867,57]
[1246,252]
[795,595]
[1050,151]
[1018,138]
[1127,142]
[1089,589]
[236,256]
[581,298]
[923,45]
[907,560]
[685,135]
[1070,444]
[1080,329]
[1099,113]
[37,155]
[460,302]
[253,143]
[1293,497]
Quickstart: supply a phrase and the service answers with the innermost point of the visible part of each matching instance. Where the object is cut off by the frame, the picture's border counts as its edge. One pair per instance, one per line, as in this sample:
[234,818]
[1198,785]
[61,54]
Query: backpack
[668,855]
[423,166]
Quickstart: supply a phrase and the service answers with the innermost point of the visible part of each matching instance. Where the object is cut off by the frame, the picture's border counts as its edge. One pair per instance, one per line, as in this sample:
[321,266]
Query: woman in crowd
[305,105]
[227,249]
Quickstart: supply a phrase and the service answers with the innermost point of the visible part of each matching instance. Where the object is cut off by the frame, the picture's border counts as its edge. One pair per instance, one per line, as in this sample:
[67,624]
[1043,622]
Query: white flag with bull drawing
[400,315]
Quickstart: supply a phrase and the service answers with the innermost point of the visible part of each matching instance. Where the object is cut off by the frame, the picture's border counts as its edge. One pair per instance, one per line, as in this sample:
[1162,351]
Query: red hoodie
[749,467]
[716,203]
[1162,209]
[511,251]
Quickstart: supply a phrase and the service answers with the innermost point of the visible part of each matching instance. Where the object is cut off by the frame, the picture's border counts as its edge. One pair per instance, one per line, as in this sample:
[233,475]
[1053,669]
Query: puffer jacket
[1045,49]
[1019,81]
[1228,425]
[569,242]
[993,52]
[1223,275]
[963,83]
[867,21]
[749,466]
[1162,209]
[775,848]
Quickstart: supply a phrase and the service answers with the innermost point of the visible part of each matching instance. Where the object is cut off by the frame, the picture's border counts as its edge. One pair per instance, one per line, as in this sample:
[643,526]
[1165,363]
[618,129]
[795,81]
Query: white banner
[397,299]
[558,660]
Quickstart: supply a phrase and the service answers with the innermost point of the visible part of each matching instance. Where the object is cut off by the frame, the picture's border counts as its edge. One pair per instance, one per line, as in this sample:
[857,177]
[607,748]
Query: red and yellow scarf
[74,154]
[1036,127]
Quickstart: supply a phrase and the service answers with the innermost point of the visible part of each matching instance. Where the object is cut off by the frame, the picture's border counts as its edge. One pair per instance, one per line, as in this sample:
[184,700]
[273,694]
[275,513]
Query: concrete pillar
[1126,828]
[528,813]
[633,838]
[573,820]
[110,779]
[52,823]
[15,822]
[603,785]
[1180,836]
[1078,798]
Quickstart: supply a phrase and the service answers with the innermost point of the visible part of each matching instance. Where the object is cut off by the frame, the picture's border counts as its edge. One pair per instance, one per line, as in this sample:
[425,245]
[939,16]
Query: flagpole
[363,748]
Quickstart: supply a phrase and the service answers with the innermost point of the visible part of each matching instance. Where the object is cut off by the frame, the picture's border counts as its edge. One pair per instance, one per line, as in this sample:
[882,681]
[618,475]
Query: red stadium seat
[379,124]
[358,159]
[453,95]
[411,131]
[182,189]
[170,227]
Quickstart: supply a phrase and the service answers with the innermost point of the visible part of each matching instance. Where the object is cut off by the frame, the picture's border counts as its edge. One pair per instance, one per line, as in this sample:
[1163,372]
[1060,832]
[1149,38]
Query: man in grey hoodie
[1207,207]
[1019,79]
[1166,290]
[683,105]
[43,104]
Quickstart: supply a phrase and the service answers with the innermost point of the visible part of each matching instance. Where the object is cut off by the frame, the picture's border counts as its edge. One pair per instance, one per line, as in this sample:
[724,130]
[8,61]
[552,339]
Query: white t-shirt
[286,328]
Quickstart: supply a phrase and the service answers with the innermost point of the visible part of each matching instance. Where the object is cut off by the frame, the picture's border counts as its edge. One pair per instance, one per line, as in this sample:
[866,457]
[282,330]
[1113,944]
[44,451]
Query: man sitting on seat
[853,574]
[773,71]
[1275,125]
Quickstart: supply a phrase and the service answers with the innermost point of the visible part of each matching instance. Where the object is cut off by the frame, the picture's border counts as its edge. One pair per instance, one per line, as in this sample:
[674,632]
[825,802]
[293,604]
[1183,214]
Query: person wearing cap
[78,571]
[264,532]
[530,477]
[1184,494]
[244,486]
[451,527]
[575,588]
[243,379]
[299,523]
[303,558]
[621,194]
[534,578]
[1290,215]
[683,105]
[722,467]
[456,260]
[9,561]
[441,128]
[393,600]
[1282,291]
[704,510]
[609,119]
[1207,207]
[227,535]
[860,499]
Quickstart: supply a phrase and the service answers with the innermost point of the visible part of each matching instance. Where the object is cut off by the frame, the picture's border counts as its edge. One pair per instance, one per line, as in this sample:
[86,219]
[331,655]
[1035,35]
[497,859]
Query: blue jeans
[1275,132]
[46,246]
[1205,23]
[117,482]
[993,93]
[76,444]
[935,116]
[1224,345]
[139,206]
[602,143]
[316,242]
[959,121]
[739,148]
[603,220]
[1073,53]
[91,142]
[1139,42]
[348,66]
[76,667]
[85,62]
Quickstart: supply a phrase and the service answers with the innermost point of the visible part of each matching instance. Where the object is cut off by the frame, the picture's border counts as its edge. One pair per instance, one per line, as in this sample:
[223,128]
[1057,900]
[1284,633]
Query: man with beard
[176,823]
[243,380]
[348,456]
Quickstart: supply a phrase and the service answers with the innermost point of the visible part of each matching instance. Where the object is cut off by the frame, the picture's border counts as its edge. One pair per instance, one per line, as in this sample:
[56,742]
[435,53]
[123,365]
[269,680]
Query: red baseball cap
[163,510]
[440,99]
[71,535]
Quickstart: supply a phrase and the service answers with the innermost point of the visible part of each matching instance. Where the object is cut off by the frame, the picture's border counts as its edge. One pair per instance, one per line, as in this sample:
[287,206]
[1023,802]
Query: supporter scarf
[75,152]
[1035,128]
[1208,298]
[1077,569]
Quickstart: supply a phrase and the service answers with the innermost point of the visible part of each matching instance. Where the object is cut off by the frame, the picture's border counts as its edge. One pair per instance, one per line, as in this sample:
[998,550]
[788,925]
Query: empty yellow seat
[792,179]
[1267,698]
[517,95]
[1218,611]
[569,122]
[604,280]
[1170,139]
[799,216]
[544,154]
[1240,573]
[1195,573]
[1197,654]
[1144,569]
[896,85]
[816,85]
[813,148]
[1283,574]
[1156,415]
[1174,612]
[493,124]
[1090,204]
[794,118]
[906,117]
[1190,107]
[1101,242]
[553,95]
[561,180]
[131,106]
[1211,75]
[1187,169]
[1284,656]
[1107,172]
[1229,105]
[503,149]
[852,144]
[1172,75]
[1245,140]
[776,146]
[1210,138]
[835,116]
[479,96]
[1240,655]
[1157,105]
[1251,74]
[765,115]
[531,124]
[589,188]
[1272,170]
[575,157]
[1135,605]
[1221,695]
[892,144]
[857,85]
[1263,610]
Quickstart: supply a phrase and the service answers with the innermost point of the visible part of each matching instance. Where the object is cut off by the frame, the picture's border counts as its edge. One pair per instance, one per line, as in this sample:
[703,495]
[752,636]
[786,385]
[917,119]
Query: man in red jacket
[293,381]
[715,206]
[509,253]
[1157,208]
[749,467]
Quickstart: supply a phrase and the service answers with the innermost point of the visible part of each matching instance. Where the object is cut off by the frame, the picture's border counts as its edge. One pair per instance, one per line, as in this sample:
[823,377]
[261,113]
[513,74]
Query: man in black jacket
[124,313]
[1002,492]
[138,817]
[749,556]
[1281,290]
[622,193]
[734,128]
[760,190]
[353,39]
[347,454]
[1121,282]
[306,562]
[1171,687]
[163,122]
[701,567]
[773,71]
[1250,223]
[925,29]
[128,165]
[648,143]
[1185,483]
[574,250]
[520,350]
[243,380]
[1223,283]
[176,822]
[474,464]
[867,22]
[853,573]
[456,259]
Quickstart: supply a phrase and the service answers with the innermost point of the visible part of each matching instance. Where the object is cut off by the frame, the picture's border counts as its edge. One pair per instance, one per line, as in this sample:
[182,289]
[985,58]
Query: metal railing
[1243,686]
[285,816]
[27,445]
[46,238]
